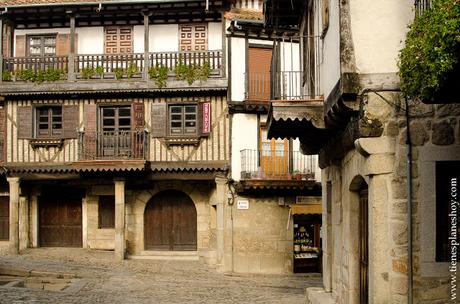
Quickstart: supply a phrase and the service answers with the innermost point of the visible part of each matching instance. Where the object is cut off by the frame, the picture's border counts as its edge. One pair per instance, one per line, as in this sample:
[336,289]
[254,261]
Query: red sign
[206,117]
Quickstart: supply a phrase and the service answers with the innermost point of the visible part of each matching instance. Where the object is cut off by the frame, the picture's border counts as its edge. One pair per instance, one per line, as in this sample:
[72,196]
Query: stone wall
[262,241]
[381,164]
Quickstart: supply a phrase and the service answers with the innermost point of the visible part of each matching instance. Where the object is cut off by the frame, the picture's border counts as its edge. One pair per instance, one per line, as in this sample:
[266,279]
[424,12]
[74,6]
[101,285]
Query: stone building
[356,121]
[116,134]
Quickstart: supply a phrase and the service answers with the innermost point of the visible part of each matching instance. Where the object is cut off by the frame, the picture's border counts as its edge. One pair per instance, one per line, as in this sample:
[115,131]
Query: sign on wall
[242,205]
[206,117]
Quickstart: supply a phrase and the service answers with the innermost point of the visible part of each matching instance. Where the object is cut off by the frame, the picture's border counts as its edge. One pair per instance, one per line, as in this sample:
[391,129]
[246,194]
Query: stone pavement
[104,280]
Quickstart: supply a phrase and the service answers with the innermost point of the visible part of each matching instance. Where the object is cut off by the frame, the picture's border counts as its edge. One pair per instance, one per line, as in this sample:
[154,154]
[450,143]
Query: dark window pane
[190,109]
[109,122]
[176,124]
[190,124]
[125,122]
[190,117]
[124,112]
[56,110]
[176,117]
[176,109]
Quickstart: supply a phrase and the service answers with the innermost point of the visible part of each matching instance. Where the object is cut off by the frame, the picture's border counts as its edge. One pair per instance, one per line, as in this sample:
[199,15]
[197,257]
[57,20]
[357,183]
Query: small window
[183,120]
[4,218]
[42,45]
[48,121]
[106,211]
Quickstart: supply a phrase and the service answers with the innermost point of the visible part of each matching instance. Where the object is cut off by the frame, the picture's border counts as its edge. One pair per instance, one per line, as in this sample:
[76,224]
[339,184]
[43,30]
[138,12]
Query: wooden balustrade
[109,66]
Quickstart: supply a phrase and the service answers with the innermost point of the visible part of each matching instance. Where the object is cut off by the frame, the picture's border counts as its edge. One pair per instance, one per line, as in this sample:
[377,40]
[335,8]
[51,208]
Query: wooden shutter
[25,123]
[20,46]
[204,118]
[118,39]
[63,44]
[70,121]
[106,211]
[159,120]
[138,116]
[89,119]
[193,37]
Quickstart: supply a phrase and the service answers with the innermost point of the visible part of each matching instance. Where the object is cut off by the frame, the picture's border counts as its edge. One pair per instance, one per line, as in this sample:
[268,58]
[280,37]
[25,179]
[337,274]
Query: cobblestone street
[104,280]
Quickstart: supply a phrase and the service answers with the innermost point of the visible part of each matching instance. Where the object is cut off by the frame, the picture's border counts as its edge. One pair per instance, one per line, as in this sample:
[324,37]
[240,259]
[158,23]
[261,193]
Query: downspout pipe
[409,209]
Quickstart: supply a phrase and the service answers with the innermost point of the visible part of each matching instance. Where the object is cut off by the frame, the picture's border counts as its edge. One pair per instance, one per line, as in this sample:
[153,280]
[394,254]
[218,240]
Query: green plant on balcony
[430,57]
[119,72]
[6,75]
[49,75]
[159,74]
[192,72]
[99,71]
[132,70]
[87,73]
[26,75]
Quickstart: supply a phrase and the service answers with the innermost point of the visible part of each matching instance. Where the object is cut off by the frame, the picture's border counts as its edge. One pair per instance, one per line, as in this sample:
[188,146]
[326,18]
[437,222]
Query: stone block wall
[262,238]
[380,163]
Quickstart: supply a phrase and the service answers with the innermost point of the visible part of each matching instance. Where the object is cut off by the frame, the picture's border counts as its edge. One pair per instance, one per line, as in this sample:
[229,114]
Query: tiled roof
[244,14]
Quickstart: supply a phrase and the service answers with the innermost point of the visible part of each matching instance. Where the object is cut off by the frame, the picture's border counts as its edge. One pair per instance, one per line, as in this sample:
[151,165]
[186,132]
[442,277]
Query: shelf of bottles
[304,241]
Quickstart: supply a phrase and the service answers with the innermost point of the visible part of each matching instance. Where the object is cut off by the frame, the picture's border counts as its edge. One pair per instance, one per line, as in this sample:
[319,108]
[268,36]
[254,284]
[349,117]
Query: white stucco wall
[244,136]
[379,28]
[330,51]
[90,40]
[164,38]
[238,62]
[215,36]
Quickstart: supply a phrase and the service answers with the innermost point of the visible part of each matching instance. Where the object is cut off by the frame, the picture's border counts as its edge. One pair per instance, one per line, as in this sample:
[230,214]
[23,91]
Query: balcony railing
[113,145]
[106,66]
[277,165]
[421,6]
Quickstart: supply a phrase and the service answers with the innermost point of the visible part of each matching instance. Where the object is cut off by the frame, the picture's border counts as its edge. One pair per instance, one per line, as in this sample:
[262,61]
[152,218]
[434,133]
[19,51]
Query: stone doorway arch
[170,222]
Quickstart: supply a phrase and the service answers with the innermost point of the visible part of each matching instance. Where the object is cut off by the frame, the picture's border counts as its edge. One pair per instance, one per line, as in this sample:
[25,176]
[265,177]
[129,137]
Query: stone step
[166,255]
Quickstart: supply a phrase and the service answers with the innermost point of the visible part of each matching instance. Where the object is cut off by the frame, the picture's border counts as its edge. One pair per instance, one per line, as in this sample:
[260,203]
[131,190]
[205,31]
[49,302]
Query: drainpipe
[409,209]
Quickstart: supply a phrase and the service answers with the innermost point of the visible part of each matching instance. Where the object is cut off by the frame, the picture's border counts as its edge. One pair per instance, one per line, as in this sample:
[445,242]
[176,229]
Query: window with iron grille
[48,121]
[183,120]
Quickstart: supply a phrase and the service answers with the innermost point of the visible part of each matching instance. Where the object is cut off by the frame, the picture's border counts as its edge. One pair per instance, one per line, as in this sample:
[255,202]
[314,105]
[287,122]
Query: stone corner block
[379,164]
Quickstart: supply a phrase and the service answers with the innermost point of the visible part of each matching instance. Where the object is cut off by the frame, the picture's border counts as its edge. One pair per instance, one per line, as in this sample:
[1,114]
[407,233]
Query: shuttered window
[4,218]
[182,120]
[106,212]
[49,121]
[118,40]
[41,45]
[193,37]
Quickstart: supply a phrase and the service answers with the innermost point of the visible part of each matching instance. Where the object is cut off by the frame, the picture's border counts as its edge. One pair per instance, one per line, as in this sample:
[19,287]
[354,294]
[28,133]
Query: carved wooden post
[145,74]
[1,50]
[71,64]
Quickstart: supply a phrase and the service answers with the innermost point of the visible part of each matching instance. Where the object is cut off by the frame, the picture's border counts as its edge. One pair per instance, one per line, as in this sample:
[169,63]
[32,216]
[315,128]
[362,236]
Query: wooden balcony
[113,145]
[277,165]
[106,72]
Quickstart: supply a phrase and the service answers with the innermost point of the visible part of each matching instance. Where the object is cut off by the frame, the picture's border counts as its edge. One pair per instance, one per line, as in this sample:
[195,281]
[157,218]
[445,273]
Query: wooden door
[274,156]
[259,61]
[60,221]
[363,246]
[4,218]
[170,222]
[193,37]
[118,40]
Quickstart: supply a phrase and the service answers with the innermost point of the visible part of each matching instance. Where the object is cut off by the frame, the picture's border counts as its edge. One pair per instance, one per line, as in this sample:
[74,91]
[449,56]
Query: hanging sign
[242,205]
[206,117]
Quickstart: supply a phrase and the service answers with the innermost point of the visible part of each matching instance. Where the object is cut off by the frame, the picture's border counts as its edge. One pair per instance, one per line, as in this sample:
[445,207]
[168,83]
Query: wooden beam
[71,64]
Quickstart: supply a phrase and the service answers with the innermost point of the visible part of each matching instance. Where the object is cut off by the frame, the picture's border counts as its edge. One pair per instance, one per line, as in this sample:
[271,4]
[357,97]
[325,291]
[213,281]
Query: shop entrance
[170,222]
[307,243]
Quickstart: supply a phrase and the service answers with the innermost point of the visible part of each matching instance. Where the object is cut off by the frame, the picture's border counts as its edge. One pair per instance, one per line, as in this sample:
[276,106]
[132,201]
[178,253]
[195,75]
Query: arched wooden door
[170,222]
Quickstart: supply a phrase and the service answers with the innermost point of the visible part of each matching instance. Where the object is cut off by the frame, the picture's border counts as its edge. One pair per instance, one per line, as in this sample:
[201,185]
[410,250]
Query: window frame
[42,44]
[50,122]
[183,120]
